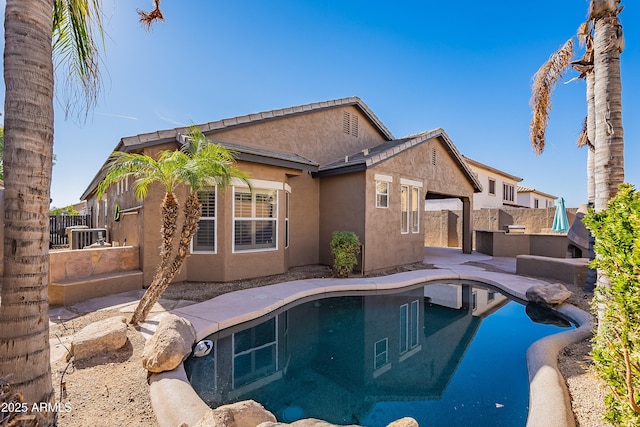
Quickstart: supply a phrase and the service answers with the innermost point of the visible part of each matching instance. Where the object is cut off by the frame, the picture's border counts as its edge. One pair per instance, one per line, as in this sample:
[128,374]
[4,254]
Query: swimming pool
[444,354]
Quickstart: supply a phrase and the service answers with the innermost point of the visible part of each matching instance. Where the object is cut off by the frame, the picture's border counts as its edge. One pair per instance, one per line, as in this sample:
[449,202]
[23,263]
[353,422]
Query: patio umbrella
[560,220]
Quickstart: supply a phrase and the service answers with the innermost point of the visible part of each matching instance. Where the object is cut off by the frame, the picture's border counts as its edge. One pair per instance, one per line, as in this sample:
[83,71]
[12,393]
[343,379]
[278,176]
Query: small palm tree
[198,164]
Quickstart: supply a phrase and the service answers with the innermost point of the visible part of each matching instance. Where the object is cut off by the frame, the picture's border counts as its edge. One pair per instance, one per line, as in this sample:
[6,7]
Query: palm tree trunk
[591,134]
[609,144]
[163,278]
[28,152]
[592,275]
[609,140]
[170,210]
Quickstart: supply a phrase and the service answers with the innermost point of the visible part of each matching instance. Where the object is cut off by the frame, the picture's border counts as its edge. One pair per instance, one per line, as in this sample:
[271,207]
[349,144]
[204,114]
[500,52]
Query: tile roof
[524,189]
[369,157]
[161,136]
[149,139]
[492,169]
[261,155]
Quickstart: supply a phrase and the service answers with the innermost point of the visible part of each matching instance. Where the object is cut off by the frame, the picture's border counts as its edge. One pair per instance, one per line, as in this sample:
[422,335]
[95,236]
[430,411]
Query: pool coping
[174,401]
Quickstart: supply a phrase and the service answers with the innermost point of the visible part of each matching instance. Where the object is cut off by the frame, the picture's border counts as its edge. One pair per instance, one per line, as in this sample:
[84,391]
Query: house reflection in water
[337,357]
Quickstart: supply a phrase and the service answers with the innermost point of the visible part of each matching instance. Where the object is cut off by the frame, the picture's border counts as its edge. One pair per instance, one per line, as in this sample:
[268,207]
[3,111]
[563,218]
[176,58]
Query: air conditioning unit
[80,238]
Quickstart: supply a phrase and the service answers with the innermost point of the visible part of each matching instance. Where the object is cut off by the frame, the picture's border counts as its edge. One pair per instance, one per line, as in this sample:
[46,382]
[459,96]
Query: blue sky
[464,66]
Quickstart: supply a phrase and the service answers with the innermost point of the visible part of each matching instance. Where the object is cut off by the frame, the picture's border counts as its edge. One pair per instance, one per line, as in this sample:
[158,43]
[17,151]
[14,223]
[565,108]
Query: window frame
[379,195]
[404,209]
[415,210]
[508,192]
[410,214]
[489,187]
[255,373]
[385,352]
[214,219]
[287,209]
[253,220]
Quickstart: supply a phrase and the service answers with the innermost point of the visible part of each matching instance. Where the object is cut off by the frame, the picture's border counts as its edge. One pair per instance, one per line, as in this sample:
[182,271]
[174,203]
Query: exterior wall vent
[350,124]
[433,156]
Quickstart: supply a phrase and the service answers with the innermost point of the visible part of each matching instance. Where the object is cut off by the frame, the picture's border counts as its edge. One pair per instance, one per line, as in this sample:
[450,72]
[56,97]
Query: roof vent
[365,151]
[346,159]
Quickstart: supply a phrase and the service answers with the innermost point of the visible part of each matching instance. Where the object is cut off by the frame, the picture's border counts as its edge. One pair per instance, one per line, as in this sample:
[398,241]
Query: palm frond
[544,81]
[583,138]
[148,18]
[76,53]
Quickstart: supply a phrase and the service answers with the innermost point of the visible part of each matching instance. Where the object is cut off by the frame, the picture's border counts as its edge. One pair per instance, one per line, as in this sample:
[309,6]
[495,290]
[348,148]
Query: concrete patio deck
[175,402]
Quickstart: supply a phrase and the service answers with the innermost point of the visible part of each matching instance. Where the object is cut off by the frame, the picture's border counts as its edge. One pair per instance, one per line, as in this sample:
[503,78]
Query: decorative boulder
[548,295]
[98,338]
[248,413]
[169,345]
[404,422]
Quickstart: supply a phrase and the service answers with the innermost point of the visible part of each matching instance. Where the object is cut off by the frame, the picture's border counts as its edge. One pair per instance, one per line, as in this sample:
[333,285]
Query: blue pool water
[445,354]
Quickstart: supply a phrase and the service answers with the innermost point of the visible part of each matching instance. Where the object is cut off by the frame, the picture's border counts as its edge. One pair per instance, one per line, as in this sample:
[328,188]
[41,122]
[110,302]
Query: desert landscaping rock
[404,422]
[99,337]
[248,413]
[169,345]
[548,295]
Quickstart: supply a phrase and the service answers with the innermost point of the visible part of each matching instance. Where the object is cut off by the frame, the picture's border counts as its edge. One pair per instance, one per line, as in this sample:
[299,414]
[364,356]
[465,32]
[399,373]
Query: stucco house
[499,188]
[315,169]
[531,198]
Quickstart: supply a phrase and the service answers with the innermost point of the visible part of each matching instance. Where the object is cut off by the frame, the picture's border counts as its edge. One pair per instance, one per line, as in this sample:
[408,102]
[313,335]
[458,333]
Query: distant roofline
[524,189]
[492,169]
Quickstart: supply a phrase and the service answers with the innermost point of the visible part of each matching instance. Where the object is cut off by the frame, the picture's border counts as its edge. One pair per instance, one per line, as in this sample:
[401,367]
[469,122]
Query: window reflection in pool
[444,354]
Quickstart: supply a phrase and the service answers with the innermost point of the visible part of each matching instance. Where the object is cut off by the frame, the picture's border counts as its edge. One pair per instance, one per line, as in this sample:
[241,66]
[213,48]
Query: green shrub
[616,346]
[345,246]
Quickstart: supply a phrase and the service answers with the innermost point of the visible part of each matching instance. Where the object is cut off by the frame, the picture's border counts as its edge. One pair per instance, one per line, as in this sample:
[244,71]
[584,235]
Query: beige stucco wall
[66,265]
[317,135]
[342,208]
[446,176]
[528,199]
[444,228]
[318,206]
[486,200]
[226,265]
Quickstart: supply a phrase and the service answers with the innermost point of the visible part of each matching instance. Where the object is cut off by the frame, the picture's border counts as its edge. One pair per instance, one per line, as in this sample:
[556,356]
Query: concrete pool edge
[174,401]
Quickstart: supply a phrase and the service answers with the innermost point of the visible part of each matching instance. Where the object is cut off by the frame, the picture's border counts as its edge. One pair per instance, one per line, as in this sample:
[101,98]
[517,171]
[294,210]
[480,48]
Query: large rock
[549,294]
[169,345]
[404,422]
[248,413]
[99,337]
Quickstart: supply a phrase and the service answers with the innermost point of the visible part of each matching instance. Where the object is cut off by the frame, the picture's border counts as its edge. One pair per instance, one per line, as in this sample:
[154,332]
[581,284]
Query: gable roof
[368,158]
[523,189]
[163,136]
[491,169]
[150,139]
[241,152]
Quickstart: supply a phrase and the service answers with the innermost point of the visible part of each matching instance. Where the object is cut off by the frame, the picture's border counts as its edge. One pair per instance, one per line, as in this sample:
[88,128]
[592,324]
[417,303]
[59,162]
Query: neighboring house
[531,198]
[499,188]
[315,169]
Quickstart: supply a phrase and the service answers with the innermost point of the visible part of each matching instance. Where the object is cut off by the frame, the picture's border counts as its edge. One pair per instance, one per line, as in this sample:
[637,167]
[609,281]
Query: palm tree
[198,164]
[608,43]
[600,67]
[27,161]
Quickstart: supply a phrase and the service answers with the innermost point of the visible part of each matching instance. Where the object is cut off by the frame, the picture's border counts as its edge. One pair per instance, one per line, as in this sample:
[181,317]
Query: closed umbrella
[560,220]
